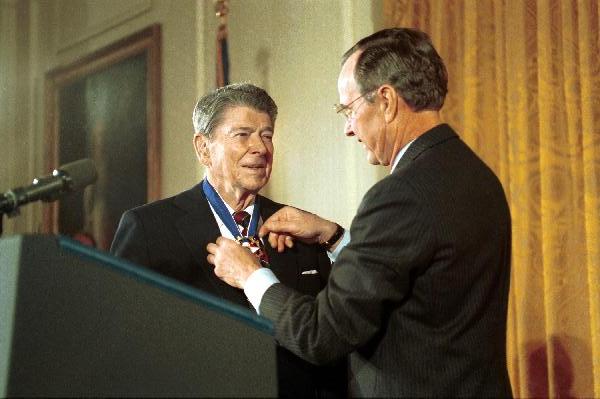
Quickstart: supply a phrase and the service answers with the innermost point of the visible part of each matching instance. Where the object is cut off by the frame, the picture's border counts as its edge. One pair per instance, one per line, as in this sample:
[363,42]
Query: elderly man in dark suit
[234,128]
[419,290]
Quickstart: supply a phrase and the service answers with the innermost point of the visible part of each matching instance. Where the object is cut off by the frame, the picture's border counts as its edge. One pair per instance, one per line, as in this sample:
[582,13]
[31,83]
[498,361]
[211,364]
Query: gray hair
[209,110]
[406,59]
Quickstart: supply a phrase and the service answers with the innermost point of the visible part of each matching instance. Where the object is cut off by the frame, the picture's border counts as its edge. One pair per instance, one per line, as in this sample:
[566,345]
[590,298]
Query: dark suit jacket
[419,295]
[170,236]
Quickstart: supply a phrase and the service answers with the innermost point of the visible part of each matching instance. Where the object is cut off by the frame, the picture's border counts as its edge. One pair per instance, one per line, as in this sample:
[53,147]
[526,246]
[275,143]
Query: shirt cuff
[257,284]
[343,242]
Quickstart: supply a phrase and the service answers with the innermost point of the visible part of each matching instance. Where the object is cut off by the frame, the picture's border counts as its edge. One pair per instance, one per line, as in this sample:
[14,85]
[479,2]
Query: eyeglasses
[346,110]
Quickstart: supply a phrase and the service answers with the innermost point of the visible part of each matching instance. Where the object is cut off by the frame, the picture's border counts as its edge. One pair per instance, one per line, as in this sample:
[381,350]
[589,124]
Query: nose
[348,130]
[257,145]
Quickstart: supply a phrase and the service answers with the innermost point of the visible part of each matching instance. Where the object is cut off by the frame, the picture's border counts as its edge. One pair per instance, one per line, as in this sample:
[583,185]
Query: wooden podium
[79,322]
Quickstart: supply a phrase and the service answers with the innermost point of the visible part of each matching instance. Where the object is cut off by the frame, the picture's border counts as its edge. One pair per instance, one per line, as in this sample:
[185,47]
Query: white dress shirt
[224,230]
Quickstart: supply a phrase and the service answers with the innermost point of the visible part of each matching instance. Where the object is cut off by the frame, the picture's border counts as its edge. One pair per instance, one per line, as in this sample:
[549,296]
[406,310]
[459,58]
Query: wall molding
[67,39]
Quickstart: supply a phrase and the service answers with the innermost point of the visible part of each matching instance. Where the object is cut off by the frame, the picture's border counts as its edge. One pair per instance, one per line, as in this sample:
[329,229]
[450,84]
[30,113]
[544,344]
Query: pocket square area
[310,272]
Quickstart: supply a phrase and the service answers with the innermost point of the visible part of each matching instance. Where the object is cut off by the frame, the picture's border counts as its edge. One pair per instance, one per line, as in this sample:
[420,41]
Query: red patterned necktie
[242,218]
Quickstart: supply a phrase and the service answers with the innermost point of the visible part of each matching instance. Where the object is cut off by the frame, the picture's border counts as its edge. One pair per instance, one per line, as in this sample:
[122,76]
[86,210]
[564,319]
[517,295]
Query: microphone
[72,176]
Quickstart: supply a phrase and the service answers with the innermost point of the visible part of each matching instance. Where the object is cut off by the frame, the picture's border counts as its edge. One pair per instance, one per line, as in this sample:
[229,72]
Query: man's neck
[237,199]
[414,126]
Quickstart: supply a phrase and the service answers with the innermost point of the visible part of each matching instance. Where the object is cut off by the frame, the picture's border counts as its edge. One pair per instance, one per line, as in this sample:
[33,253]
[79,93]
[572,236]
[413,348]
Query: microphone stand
[4,200]
[2,219]
[2,197]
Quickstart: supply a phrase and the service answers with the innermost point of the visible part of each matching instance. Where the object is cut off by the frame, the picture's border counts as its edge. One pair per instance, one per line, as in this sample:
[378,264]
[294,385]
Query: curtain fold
[524,92]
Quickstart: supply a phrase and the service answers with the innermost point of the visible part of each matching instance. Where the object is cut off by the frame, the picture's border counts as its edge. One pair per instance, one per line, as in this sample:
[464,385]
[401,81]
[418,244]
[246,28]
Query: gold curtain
[524,92]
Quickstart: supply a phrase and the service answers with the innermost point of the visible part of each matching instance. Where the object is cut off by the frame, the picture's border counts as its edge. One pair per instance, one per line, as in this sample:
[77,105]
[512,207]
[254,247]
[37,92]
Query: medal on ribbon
[250,241]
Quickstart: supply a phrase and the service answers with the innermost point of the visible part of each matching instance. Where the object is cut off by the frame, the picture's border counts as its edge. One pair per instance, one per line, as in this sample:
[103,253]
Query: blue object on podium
[79,322]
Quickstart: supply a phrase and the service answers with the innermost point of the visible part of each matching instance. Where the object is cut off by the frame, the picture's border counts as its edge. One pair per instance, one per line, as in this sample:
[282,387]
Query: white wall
[293,49]
[290,47]
[16,139]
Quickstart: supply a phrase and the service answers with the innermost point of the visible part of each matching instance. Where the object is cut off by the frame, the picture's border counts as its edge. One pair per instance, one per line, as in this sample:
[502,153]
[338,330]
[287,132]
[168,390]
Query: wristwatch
[339,231]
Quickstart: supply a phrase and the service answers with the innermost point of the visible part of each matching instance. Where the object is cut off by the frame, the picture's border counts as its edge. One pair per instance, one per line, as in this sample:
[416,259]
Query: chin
[255,185]
[372,159]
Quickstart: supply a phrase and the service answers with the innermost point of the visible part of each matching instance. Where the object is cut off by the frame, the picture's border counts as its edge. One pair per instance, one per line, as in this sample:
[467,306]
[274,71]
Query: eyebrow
[250,129]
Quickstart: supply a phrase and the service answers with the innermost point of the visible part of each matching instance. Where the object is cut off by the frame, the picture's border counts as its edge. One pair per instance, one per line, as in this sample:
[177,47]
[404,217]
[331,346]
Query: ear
[201,148]
[389,102]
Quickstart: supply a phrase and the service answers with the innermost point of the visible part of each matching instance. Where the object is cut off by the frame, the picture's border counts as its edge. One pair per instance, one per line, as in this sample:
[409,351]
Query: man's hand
[304,226]
[233,263]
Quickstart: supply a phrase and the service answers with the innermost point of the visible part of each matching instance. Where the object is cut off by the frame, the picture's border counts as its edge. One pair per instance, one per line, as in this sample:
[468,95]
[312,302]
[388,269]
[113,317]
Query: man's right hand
[293,222]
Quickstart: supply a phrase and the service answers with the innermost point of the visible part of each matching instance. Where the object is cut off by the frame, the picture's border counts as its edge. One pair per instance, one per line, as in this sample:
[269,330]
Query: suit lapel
[284,265]
[197,229]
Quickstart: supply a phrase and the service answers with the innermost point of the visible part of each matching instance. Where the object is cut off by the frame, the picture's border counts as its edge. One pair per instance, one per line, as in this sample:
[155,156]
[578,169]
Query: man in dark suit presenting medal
[418,293]
[234,128]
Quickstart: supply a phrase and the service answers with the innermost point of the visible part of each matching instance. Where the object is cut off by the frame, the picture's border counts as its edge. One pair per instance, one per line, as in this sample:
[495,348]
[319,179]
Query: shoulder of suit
[267,203]
[165,203]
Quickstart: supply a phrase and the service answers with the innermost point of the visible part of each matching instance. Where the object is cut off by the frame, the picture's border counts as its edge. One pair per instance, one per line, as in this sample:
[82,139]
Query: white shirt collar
[400,155]
[224,230]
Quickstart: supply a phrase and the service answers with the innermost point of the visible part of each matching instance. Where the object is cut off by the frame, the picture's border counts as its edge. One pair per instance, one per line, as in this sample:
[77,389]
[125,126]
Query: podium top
[78,322]
[167,284]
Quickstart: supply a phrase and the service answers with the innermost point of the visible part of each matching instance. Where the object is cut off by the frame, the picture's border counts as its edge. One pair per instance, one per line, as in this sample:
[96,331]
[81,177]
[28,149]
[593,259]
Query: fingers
[284,241]
[264,230]
[276,226]
[211,248]
[289,241]
[233,262]
[273,239]
[300,225]
[277,222]
[280,241]
[221,270]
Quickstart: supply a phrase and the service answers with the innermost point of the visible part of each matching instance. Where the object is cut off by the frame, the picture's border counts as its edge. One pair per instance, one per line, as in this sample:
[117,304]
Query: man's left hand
[233,263]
